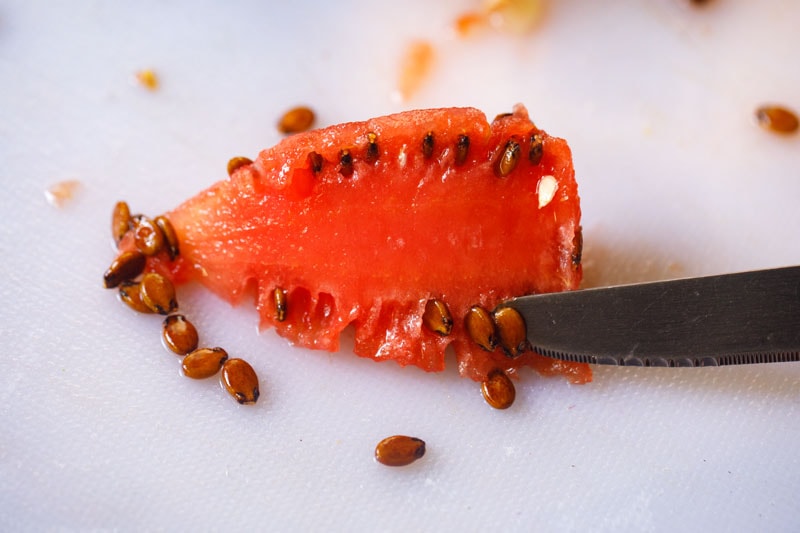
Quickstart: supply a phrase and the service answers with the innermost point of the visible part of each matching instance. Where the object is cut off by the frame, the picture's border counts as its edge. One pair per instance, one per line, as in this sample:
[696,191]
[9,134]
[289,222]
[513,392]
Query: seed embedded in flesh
[427,145]
[203,363]
[508,159]
[345,163]
[777,119]
[577,247]
[125,267]
[279,297]
[170,238]
[437,317]
[315,162]
[235,163]
[147,236]
[498,389]
[179,335]
[462,149]
[537,149]
[296,120]
[158,293]
[372,148]
[512,334]
[399,450]
[481,328]
[130,294]
[240,380]
[120,221]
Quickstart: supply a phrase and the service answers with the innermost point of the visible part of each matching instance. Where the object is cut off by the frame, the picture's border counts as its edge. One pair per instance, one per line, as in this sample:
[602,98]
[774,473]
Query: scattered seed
[427,145]
[399,450]
[168,232]
[279,297]
[345,163]
[462,147]
[147,236]
[130,294]
[235,163]
[372,148]
[777,119]
[508,159]
[315,162]
[60,193]
[203,363]
[577,247]
[148,79]
[240,380]
[179,335]
[296,120]
[498,390]
[437,317]
[120,221]
[158,293]
[537,149]
[511,331]
[126,266]
[480,327]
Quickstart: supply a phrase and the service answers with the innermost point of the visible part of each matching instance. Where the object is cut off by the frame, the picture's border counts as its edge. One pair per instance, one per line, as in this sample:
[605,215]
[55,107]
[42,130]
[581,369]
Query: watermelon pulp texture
[362,223]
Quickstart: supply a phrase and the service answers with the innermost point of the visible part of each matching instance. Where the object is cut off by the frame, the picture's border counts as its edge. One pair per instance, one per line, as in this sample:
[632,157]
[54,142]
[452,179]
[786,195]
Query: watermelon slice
[362,224]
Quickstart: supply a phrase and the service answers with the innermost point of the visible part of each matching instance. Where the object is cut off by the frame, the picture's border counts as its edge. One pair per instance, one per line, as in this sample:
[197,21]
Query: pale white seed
[546,189]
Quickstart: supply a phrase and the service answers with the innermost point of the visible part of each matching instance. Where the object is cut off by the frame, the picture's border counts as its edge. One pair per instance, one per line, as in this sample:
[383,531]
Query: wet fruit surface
[364,223]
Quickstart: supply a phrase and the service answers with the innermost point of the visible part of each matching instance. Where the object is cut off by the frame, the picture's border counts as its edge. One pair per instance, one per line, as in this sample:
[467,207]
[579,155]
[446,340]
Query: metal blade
[732,319]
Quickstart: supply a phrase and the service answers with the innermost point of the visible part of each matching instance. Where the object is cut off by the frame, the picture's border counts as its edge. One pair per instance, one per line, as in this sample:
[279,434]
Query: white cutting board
[656,98]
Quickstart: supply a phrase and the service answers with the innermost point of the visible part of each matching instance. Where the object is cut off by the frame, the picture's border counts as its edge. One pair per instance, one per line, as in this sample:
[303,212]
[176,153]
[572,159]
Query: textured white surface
[100,431]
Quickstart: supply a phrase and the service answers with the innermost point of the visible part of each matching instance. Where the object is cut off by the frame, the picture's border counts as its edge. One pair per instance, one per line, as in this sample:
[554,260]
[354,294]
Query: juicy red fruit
[363,223]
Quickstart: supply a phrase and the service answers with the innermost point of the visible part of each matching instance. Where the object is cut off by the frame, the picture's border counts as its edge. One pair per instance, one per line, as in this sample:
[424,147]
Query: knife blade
[729,319]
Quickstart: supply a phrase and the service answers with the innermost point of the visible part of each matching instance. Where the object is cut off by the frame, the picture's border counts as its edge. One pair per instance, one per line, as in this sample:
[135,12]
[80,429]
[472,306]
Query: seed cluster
[151,292]
[504,327]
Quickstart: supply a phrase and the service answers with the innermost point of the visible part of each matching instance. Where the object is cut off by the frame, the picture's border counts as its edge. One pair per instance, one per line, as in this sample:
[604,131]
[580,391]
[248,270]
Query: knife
[730,319]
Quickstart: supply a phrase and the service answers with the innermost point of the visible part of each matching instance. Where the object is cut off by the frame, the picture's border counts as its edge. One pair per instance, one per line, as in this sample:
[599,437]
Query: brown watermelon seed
[235,163]
[501,116]
[437,317]
[508,159]
[279,297]
[130,295]
[296,120]
[399,450]
[126,266]
[577,247]
[498,390]
[345,163]
[203,362]
[480,327]
[170,238]
[372,148]
[511,331]
[147,236]
[777,119]
[315,162]
[240,380]
[462,148]
[120,221]
[537,149]
[179,335]
[427,145]
[158,293]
